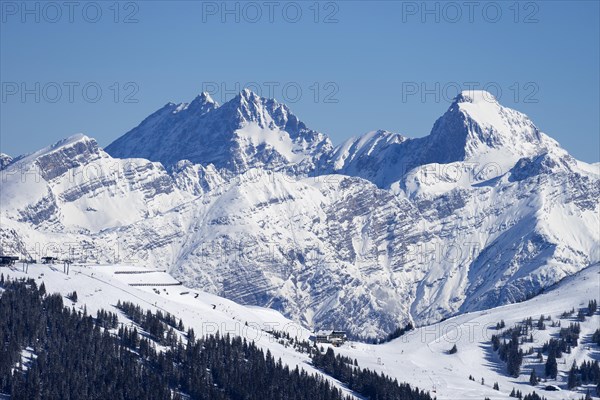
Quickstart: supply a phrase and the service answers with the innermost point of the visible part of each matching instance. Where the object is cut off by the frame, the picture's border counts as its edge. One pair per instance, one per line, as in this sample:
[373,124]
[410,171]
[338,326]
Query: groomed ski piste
[419,358]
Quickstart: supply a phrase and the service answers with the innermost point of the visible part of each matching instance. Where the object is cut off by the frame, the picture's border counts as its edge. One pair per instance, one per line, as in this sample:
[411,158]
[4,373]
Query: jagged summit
[246,132]
[5,160]
[248,94]
[205,96]
[78,137]
[475,96]
[202,104]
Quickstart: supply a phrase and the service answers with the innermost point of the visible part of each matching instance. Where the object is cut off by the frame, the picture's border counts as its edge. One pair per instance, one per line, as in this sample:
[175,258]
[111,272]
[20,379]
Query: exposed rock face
[5,159]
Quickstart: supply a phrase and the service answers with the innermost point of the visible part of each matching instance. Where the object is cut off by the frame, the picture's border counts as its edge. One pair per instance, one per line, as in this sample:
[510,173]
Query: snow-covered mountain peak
[556,161]
[56,159]
[244,98]
[475,97]
[68,141]
[5,159]
[248,95]
[476,135]
[203,103]
[476,128]
[246,132]
[206,97]
[73,144]
[248,107]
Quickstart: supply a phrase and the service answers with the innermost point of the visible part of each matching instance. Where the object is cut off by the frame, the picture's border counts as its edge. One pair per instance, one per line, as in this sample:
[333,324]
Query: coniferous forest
[73,355]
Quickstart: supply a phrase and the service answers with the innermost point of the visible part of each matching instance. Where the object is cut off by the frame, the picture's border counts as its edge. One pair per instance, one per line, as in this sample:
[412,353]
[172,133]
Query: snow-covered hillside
[102,286]
[420,357]
[254,206]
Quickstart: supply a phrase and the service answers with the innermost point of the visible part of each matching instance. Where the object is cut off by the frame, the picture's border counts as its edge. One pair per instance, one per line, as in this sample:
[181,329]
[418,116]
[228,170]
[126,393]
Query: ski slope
[419,358]
[101,286]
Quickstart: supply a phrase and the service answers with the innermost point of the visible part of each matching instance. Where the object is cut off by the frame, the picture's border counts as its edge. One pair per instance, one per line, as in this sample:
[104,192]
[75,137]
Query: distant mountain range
[245,201]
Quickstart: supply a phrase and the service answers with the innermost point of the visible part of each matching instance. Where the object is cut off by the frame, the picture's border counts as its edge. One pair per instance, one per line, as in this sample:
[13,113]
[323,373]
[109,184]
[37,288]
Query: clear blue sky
[374,58]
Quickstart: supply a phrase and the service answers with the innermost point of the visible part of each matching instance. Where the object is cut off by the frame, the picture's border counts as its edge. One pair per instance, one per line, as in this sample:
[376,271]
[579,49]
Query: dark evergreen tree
[533,379]
[510,352]
[581,314]
[551,368]
[533,396]
[592,307]
[572,379]
[453,350]
[541,325]
[596,337]
[587,373]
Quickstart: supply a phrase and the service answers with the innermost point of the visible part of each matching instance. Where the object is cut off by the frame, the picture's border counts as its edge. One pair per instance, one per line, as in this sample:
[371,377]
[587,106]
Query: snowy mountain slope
[74,186]
[278,243]
[102,286]
[419,357]
[494,223]
[248,131]
[506,241]
[196,178]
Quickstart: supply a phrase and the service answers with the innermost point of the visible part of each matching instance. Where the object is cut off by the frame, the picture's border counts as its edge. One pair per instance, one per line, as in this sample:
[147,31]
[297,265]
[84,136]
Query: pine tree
[541,325]
[533,379]
[572,380]
[72,296]
[592,307]
[551,366]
